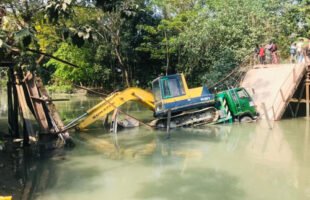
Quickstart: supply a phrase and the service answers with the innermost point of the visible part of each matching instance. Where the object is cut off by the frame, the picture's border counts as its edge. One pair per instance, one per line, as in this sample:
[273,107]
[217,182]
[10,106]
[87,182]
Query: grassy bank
[68,89]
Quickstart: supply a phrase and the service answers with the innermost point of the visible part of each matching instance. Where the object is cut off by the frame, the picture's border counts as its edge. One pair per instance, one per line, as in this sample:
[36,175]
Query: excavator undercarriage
[189,118]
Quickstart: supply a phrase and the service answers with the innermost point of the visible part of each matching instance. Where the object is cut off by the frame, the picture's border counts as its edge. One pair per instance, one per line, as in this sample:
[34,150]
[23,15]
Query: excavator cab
[168,87]
[171,93]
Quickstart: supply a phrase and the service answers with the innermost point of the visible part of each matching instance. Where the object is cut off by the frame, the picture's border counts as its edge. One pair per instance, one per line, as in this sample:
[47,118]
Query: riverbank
[69,89]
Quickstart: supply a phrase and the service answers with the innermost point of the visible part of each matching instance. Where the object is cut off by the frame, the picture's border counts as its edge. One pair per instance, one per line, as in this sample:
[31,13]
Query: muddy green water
[227,162]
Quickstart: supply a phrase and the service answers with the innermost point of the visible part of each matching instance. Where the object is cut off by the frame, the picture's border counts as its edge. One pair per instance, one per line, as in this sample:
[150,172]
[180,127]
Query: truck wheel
[246,119]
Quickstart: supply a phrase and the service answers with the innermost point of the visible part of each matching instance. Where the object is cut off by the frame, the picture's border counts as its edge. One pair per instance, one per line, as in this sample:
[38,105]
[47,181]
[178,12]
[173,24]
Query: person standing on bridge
[268,56]
[256,54]
[262,54]
[300,55]
[274,53]
[293,51]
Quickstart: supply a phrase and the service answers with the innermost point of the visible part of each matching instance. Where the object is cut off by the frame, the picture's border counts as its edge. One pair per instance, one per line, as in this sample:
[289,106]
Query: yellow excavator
[171,95]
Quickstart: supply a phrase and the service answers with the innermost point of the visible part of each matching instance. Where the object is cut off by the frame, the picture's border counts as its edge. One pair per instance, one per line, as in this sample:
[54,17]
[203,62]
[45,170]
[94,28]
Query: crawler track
[189,118]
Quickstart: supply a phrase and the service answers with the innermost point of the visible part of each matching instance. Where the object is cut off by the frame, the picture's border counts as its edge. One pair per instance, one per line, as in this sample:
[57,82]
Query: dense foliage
[130,42]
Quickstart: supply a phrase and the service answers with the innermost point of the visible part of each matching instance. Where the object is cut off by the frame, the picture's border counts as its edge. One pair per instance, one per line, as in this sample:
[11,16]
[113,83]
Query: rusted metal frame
[54,118]
[28,130]
[19,80]
[37,106]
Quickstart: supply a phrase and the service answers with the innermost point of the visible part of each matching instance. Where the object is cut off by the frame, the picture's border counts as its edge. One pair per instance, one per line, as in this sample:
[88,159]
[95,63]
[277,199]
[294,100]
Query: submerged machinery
[171,96]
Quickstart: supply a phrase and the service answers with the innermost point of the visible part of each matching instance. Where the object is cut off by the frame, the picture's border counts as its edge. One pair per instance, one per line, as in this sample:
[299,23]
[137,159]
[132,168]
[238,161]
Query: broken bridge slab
[274,85]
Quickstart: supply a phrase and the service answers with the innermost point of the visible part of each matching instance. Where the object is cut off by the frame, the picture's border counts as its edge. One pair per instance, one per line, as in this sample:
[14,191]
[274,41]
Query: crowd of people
[266,54]
[299,51]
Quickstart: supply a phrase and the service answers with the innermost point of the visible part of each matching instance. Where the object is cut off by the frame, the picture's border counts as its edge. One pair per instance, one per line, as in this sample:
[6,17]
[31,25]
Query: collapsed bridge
[283,89]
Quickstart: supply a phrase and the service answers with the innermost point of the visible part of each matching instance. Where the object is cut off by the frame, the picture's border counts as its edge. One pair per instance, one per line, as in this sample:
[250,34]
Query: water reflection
[199,183]
[3,103]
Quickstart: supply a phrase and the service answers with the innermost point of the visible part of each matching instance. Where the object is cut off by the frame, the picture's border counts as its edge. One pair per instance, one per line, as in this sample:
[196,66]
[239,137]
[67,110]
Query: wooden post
[307,99]
[29,132]
[106,121]
[267,116]
[307,95]
[168,122]
[115,121]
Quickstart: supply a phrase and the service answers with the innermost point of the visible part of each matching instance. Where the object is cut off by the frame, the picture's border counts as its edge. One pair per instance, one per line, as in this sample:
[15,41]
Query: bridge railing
[290,83]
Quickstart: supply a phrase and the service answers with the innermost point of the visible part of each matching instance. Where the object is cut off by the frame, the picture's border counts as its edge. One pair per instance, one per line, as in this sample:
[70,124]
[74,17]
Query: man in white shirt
[299,46]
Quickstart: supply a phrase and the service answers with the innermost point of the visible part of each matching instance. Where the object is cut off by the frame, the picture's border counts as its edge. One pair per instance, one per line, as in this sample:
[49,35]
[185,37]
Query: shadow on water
[199,183]
[74,179]
[24,173]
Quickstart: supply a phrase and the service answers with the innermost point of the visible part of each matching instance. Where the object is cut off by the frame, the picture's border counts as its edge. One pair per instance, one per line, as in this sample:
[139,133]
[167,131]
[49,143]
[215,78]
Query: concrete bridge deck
[274,85]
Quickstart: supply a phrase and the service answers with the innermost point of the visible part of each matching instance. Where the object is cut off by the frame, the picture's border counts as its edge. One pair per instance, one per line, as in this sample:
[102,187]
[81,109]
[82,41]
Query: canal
[227,162]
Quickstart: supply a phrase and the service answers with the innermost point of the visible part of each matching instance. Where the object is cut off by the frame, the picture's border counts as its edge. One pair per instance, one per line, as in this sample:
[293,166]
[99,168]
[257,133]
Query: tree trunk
[167,54]
[124,68]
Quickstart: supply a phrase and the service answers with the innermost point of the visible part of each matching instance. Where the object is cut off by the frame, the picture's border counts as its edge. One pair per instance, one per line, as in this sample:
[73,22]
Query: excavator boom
[115,100]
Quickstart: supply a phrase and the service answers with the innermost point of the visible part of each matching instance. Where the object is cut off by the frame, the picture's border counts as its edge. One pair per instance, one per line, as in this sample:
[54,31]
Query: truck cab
[237,104]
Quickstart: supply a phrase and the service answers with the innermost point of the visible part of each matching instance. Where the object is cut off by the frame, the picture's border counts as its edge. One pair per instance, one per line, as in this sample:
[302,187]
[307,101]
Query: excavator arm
[112,102]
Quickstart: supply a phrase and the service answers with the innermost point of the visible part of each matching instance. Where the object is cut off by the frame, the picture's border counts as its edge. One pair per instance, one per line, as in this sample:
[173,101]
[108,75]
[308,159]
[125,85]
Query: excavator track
[189,118]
